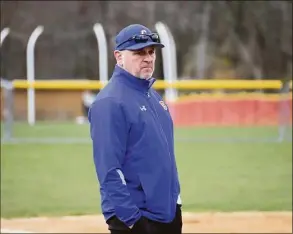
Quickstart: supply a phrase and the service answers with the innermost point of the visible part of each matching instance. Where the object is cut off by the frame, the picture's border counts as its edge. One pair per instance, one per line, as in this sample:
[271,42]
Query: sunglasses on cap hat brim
[143,38]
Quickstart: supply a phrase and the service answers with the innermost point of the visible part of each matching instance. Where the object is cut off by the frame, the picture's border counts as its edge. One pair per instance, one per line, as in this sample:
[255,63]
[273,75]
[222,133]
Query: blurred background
[214,40]
[241,39]
[234,145]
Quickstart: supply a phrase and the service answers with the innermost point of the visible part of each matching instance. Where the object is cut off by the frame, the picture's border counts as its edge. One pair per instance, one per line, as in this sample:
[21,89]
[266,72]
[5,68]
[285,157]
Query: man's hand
[140,227]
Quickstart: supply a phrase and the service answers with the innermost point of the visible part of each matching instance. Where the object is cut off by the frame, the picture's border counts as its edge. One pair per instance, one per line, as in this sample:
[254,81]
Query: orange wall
[200,110]
[228,112]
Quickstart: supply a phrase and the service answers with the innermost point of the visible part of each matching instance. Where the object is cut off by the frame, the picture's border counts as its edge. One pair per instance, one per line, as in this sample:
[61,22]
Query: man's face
[139,63]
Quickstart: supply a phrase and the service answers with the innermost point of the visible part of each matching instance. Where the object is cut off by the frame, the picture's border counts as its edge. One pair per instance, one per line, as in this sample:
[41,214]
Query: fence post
[4,34]
[103,55]
[30,63]
[7,87]
[169,59]
[284,112]
[7,96]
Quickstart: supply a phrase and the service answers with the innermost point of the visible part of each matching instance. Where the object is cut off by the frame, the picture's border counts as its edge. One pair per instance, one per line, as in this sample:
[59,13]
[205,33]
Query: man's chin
[146,76]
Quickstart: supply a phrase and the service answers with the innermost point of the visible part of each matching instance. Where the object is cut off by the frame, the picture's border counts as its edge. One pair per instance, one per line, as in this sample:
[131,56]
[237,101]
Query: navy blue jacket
[133,146]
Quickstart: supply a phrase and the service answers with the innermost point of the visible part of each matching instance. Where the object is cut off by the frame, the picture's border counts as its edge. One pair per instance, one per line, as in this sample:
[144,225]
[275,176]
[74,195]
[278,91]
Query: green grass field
[59,179]
[71,130]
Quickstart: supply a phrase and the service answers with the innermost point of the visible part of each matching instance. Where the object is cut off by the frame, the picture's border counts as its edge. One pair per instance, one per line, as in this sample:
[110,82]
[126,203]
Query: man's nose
[149,58]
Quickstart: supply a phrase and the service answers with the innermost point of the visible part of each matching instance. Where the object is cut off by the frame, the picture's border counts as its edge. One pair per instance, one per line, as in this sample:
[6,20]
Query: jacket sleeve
[109,131]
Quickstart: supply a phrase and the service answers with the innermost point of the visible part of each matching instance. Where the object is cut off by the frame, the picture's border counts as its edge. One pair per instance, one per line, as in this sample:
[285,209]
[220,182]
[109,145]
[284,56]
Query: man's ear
[119,57]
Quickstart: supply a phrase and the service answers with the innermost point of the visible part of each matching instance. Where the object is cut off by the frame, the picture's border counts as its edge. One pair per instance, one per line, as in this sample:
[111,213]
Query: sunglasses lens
[141,38]
[144,38]
[155,37]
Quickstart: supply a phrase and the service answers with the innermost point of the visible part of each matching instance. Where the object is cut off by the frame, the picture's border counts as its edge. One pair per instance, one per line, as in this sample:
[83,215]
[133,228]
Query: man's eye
[143,53]
[140,52]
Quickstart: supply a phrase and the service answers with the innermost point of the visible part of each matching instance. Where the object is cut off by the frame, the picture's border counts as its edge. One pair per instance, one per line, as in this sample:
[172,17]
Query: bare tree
[253,37]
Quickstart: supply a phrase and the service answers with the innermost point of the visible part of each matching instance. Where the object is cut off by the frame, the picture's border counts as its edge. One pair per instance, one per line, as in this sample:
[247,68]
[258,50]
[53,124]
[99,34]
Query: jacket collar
[125,77]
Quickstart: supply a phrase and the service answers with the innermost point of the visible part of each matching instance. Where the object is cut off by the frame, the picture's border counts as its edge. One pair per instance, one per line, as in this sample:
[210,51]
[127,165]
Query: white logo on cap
[143,32]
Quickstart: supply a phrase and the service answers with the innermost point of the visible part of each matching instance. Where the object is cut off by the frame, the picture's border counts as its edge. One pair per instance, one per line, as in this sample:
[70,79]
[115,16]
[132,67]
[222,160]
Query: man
[132,135]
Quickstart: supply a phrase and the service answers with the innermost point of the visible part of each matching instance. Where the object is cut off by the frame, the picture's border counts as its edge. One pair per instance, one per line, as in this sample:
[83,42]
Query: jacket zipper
[163,133]
[164,136]
[161,128]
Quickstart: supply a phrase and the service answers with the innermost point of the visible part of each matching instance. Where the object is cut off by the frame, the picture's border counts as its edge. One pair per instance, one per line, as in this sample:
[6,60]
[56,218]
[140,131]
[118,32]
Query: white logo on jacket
[163,105]
[142,108]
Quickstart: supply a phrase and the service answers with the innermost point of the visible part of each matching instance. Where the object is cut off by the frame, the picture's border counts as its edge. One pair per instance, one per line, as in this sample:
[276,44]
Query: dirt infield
[253,222]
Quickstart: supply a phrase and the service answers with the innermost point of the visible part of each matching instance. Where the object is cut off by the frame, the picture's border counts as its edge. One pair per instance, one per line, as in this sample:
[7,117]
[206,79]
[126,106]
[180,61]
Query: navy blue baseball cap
[136,37]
